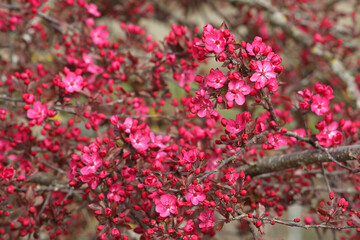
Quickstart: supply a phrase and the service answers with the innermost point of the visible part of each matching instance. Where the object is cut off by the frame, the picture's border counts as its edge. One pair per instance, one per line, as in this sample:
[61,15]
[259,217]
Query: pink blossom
[264,71]
[276,140]
[92,9]
[7,172]
[116,193]
[90,66]
[186,76]
[272,84]
[190,156]
[92,162]
[91,179]
[72,171]
[330,136]
[239,124]
[214,39]
[139,140]
[3,113]
[320,105]
[257,47]
[190,226]
[237,90]
[201,104]
[198,51]
[73,82]
[195,196]
[215,79]
[128,124]
[99,35]
[128,173]
[166,205]
[207,219]
[306,94]
[38,112]
[150,180]
[231,176]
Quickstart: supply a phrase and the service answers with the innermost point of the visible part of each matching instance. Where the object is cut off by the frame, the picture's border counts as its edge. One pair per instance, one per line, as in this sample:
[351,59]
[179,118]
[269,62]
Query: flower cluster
[263,67]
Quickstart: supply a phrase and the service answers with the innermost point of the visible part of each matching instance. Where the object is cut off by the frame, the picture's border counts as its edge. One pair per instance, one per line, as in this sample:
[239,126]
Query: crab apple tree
[112,130]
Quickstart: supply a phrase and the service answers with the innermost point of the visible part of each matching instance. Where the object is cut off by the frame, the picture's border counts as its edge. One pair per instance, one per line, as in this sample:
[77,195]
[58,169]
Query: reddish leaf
[95,207]
[323,212]
[219,226]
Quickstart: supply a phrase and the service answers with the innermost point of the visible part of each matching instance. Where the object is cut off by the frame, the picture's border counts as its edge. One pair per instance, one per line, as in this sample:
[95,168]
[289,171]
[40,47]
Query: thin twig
[325,178]
[252,229]
[291,223]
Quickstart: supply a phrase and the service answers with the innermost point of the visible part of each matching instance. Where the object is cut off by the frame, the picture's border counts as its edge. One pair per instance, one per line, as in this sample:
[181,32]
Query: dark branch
[303,158]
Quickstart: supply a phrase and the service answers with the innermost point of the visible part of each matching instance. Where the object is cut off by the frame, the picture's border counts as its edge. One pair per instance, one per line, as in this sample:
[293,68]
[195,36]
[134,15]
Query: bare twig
[252,229]
[291,223]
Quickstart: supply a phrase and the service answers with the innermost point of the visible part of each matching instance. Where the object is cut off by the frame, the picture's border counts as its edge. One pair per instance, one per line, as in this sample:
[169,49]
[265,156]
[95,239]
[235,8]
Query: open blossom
[92,162]
[257,47]
[207,219]
[190,226]
[140,140]
[239,124]
[72,171]
[195,195]
[99,35]
[264,71]
[272,84]
[38,112]
[166,205]
[202,104]
[320,105]
[330,136]
[128,124]
[92,180]
[128,173]
[277,140]
[237,91]
[215,79]
[73,82]
[306,94]
[186,76]
[116,193]
[190,156]
[92,9]
[214,39]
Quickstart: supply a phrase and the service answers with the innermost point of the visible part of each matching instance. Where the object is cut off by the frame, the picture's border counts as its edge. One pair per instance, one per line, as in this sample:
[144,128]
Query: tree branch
[302,158]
